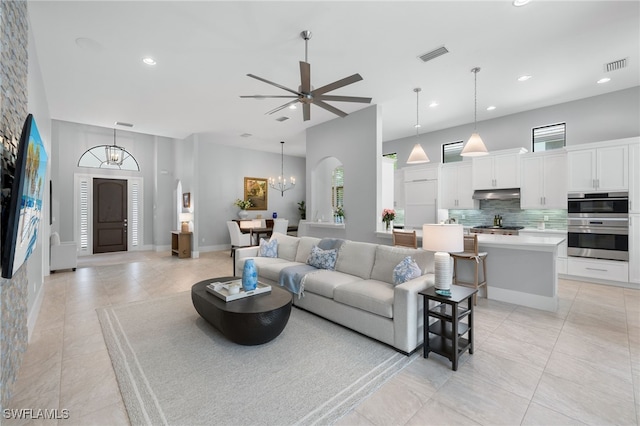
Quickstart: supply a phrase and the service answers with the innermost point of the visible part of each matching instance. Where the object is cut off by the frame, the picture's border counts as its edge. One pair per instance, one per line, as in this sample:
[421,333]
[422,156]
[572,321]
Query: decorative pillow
[406,270]
[322,259]
[268,248]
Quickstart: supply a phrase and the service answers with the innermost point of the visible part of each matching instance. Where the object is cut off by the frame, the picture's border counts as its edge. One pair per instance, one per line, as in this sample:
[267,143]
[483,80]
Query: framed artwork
[186,200]
[255,189]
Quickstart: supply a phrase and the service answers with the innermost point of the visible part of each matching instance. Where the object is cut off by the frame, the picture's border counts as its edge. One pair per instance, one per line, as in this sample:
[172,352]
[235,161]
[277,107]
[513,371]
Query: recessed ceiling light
[417,126]
[433,104]
[520,3]
[491,108]
[524,77]
[246,135]
[293,106]
[604,80]
[149,60]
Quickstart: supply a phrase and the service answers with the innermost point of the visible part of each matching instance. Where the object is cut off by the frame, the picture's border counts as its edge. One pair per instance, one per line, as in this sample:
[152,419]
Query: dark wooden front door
[109,215]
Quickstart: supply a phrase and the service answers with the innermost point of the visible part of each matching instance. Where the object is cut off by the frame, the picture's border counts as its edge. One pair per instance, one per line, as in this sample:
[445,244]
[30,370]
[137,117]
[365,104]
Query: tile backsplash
[512,215]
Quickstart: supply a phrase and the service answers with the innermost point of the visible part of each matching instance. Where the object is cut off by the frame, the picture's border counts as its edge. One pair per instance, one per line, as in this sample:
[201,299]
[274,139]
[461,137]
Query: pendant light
[114,153]
[474,147]
[417,155]
[281,184]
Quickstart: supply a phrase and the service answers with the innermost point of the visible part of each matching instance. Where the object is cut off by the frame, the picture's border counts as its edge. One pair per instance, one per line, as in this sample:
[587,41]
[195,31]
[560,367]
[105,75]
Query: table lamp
[185,218]
[442,239]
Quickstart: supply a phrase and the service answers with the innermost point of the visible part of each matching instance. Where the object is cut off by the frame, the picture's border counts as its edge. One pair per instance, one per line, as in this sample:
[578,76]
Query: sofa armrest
[243,253]
[63,256]
[408,312]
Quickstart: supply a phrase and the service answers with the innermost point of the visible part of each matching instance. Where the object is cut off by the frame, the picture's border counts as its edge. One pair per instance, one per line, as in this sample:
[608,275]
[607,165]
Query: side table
[447,331]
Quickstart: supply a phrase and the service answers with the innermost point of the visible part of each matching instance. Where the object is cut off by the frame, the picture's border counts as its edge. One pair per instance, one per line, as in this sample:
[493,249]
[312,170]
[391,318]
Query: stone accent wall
[13,110]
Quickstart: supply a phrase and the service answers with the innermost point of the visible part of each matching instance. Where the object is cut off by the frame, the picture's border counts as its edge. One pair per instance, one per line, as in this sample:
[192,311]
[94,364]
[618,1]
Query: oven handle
[597,230]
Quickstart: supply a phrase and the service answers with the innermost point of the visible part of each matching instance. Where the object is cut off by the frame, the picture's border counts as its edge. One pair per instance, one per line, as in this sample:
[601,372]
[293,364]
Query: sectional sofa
[359,292]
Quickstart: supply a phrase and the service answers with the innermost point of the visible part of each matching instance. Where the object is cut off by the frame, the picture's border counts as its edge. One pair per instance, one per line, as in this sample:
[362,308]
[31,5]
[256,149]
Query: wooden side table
[181,244]
[447,332]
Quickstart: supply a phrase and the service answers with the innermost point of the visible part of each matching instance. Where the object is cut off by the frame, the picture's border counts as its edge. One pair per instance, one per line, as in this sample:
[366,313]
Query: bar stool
[471,253]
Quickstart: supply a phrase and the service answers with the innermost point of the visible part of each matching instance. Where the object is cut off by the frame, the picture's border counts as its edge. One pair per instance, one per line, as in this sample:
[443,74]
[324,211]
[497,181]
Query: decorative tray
[221,290]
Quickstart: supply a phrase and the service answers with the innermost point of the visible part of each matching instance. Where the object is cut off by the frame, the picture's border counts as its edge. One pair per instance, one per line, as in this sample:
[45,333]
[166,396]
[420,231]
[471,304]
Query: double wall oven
[598,225]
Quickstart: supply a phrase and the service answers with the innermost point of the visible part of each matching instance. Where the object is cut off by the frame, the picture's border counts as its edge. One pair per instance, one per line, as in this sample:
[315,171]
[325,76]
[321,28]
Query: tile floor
[580,365]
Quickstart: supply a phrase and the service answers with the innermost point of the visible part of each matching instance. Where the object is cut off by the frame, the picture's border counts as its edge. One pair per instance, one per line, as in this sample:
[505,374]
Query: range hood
[497,194]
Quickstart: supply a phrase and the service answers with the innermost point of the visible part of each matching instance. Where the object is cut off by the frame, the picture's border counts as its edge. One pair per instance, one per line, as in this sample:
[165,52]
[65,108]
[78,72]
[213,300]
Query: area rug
[174,368]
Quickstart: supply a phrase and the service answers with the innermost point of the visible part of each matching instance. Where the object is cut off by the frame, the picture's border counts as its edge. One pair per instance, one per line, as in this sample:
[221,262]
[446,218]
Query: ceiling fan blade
[344,99]
[337,84]
[268,96]
[273,111]
[275,84]
[330,108]
[306,112]
[305,77]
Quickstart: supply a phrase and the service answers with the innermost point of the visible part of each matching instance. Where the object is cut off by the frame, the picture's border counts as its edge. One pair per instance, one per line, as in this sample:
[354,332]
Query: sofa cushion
[268,248]
[388,257]
[324,281]
[304,248]
[406,270]
[357,259]
[369,295]
[261,262]
[271,271]
[322,259]
[287,245]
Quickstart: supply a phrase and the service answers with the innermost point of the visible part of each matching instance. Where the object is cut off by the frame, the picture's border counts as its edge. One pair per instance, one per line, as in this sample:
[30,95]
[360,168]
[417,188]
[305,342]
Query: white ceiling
[204,50]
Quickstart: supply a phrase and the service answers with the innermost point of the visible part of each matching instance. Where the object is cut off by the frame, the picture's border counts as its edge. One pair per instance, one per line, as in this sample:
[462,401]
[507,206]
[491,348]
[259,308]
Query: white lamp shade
[186,217]
[443,237]
[417,155]
[474,147]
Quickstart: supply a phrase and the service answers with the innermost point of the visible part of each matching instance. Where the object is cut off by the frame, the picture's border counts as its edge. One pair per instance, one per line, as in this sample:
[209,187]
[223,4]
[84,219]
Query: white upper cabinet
[456,190]
[604,168]
[498,170]
[544,180]
[421,195]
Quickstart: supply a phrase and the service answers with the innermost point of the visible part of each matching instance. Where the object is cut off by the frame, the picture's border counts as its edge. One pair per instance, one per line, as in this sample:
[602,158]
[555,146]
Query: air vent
[433,54]
[246,135]
[615,65]
[281,119]
[120,123]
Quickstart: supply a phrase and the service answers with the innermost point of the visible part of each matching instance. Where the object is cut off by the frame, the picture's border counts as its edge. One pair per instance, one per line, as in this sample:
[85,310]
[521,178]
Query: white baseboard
[217,247]
[162,248]
[599,281]
[525,299]
[32,316]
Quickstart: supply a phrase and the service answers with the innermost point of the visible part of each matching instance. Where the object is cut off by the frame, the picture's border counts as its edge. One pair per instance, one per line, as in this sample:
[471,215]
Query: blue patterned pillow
[406,270]
[322,259]
[268,248]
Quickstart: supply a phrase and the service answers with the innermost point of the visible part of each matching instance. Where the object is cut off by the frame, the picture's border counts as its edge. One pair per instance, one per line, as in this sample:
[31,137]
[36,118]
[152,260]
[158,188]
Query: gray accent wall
[600,118]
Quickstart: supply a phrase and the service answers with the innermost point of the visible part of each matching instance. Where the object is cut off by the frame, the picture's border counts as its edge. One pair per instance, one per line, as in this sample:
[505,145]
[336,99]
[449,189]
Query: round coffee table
[253,320]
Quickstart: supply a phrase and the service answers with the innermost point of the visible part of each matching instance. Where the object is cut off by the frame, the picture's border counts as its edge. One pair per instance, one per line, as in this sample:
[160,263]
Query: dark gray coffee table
[253,320]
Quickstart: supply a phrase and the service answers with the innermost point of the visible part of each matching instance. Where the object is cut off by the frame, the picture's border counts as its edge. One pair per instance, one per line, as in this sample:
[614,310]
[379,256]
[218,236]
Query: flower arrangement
[339,211]
[387,216]
[243,204]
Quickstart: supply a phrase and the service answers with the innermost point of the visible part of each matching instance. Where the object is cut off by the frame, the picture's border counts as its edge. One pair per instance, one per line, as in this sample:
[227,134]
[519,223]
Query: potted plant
[388,215]
[339,214]
[244,205]
[302,209]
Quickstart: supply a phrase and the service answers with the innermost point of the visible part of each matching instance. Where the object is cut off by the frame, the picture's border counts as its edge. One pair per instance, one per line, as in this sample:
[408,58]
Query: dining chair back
[280,225]
[405,238]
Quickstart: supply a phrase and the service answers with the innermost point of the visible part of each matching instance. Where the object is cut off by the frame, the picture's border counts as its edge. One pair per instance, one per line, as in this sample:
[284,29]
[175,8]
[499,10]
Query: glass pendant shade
[417,155]
[115,155]
[474,147]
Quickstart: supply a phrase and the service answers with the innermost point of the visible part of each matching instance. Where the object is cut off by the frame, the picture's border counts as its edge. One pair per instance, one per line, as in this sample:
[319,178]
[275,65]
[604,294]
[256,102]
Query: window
[337,188]
[549,137]
[451,152]
[84,214]
[135,213]
[393,156]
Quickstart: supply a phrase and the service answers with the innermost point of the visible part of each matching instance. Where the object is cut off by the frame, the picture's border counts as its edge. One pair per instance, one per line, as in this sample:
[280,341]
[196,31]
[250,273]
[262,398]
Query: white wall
[355,141]
[606,117]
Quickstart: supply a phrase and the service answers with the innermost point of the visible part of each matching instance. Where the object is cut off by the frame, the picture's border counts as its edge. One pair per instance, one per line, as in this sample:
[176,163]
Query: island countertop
[519,242]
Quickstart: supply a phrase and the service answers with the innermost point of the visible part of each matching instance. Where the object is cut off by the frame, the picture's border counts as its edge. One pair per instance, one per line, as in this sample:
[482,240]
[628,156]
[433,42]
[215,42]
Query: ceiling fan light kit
[307,94]
[474,146]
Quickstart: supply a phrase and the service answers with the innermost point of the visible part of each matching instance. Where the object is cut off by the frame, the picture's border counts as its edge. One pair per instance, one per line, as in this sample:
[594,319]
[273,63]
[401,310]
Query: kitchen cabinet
[456,188]
[634,176]
[604,168]
[497,171]
[634,249]
[420,195]
[601,269]
[543,183]
[561,259]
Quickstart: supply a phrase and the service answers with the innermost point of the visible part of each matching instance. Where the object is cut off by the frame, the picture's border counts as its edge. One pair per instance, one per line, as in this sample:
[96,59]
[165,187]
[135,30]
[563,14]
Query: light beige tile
[538,415]
[535,317]
[588,347]
[435,413]
[353,418]
[544,338]
[516,350]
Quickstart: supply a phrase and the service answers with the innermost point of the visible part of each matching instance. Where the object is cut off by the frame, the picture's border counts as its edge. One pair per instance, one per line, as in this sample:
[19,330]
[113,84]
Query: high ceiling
[91,52]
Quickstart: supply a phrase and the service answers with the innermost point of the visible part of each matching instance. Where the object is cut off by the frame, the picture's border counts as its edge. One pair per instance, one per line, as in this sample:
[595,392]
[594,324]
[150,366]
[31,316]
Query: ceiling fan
[307,95]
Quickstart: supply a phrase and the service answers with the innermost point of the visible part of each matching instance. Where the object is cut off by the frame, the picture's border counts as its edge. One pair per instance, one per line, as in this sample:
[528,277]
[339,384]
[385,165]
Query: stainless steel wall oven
[598,225]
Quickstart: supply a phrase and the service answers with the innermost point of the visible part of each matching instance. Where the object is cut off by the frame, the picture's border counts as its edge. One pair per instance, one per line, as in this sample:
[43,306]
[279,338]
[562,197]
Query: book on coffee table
[221,290]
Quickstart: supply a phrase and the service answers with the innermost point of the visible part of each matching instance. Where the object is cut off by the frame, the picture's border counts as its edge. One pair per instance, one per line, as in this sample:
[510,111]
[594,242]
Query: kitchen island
[520,269]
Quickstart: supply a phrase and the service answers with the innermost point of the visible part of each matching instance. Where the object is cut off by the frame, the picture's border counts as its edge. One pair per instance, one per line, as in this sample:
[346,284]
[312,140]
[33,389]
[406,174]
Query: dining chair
[238,239]
[471,253]
[280,225]
[405,238]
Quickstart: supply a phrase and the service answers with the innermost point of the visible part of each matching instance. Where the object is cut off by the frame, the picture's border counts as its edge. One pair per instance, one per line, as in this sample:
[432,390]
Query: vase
[243,214]
[274,215]
[249,275]
[387,224]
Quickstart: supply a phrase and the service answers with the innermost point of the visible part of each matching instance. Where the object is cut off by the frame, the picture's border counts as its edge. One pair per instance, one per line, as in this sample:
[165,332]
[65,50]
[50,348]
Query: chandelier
[115,153]
[109,157]
[281,183]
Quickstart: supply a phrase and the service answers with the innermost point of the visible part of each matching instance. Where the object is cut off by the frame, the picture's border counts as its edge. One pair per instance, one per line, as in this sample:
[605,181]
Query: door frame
[131,182]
